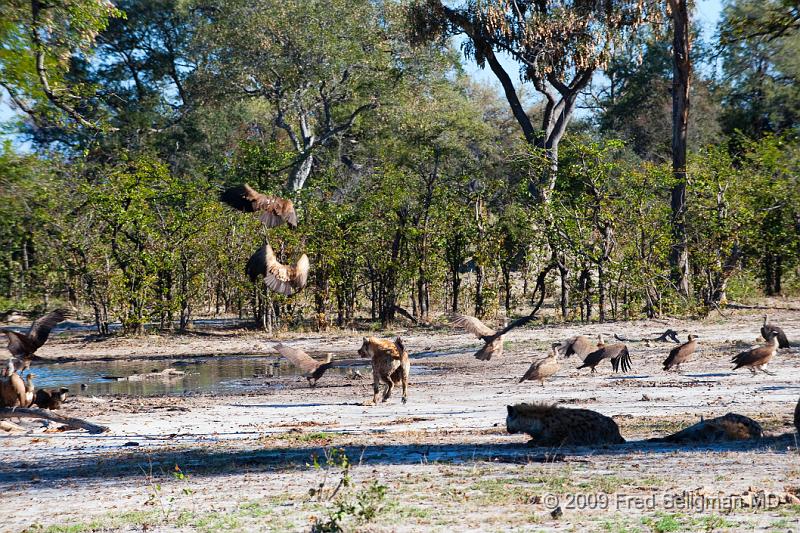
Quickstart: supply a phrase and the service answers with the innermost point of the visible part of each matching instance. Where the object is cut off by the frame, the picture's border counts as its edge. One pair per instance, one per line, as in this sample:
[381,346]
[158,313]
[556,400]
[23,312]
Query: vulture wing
[40,329]
[622,359]
[271,210]
[285,279]
[18,344]
[257,264]
[750,357]
[298,358]
[670,360]
[580,346]
[472,325]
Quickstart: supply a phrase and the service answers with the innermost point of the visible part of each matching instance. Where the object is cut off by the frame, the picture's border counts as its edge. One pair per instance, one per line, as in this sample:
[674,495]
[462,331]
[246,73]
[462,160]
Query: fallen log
[26,412]
[668,336]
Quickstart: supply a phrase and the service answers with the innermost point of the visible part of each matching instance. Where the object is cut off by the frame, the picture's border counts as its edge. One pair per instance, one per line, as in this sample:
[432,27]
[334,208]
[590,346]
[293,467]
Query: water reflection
[208,374]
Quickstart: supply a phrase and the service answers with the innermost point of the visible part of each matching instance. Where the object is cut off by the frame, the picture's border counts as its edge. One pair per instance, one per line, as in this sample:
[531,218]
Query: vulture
[769,329]
[544,368]
[756,358]
[29,389]
[681,354]
[580,346]
[271,210]
[480,330]
[311,368]
[618,353]
[51,399]
[24,345]
[285,279]
[12,388]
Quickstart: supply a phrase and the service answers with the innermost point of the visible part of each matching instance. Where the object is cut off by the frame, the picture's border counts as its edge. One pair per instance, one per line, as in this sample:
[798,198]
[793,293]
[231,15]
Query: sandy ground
[441,462]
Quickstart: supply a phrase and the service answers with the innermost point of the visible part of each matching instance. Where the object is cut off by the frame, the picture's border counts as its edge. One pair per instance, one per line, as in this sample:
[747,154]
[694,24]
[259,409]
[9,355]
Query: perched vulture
[756,358]
[544,368]
[480,330]
[618,353]
[771,329]
[23,346]
[271,210]
[310,367]
[285,279]
[681,354]
[580,346]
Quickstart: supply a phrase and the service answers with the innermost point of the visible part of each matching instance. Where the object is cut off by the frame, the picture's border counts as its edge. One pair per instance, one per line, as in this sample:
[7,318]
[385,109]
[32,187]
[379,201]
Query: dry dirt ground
[272,458]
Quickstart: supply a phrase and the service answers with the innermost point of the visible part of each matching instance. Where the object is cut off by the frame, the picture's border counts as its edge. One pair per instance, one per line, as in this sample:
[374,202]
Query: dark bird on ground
[756,358]
[480,330]
[310,367]
[51,399]
[285,279]
[271,210]
[12,388]
[24,345]
[543,368]
[681,354]
[618,353]
[580,346]
[768,329]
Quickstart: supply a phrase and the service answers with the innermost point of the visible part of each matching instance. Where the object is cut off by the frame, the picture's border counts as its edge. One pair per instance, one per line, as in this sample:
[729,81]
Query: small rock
[645,398]
[131,443]
[557,513]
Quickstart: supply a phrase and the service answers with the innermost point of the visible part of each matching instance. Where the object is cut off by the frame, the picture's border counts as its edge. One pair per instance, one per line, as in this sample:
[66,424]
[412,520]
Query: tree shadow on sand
[200,459]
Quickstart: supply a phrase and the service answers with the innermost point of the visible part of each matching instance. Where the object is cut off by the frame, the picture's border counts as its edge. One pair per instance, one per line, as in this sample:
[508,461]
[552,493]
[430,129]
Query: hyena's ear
[511,410]
[399,343]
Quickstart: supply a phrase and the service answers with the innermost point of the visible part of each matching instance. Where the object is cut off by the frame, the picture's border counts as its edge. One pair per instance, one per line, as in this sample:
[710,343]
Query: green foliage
[414,189]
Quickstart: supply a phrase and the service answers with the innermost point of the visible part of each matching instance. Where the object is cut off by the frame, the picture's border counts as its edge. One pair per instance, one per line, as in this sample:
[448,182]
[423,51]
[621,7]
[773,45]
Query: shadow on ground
[200,459]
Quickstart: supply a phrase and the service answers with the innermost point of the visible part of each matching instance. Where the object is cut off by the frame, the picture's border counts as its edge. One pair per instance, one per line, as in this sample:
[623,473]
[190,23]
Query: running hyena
[549,425]
[390,365]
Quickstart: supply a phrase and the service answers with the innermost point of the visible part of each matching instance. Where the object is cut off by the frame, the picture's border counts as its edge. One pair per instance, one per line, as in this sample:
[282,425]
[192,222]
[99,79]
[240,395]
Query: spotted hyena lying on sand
[722,428]
[390,365]
[549,425]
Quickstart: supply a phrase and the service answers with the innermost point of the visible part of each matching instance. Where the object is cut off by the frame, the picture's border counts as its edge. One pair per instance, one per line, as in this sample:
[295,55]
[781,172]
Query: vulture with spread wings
[285,279]
[480,330]
[617,353]
[24,345]
[271,210]
[310,367]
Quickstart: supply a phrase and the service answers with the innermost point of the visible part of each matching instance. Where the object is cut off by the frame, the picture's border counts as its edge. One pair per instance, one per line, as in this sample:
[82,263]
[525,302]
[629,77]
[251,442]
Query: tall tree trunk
[679,255]
[300,173]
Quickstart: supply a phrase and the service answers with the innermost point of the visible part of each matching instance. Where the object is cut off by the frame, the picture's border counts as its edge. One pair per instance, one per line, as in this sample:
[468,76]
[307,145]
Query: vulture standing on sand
[311,368]
[618,353]
[480,330]
[285,279]
[29,389]
[272,211]
[12,388]
[544,368]
[756,358]
[769,329]
[681,354]
[23,346]
[580,346]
